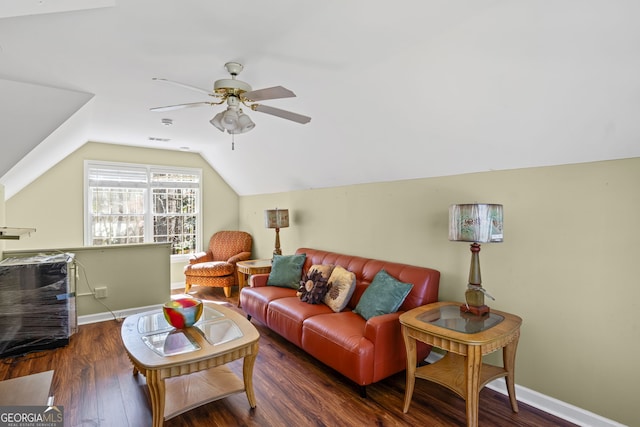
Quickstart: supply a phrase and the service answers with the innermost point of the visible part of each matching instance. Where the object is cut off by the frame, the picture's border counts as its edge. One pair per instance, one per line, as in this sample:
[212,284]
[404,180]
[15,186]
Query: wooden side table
[466,338]
[247,268]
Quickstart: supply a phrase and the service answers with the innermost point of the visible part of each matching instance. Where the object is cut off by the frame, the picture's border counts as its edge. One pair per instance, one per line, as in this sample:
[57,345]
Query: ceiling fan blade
[299,118]
[268,93]
[181,106]
[197,89]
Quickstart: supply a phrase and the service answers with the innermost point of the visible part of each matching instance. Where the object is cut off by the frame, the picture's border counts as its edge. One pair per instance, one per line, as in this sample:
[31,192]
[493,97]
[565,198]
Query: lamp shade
[217,121]
[479,223]
[276,218]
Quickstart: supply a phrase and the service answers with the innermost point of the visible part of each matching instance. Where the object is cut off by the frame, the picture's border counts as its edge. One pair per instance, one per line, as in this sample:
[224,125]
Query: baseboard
[177,285]
[555,407]
[116,315]
[546,403]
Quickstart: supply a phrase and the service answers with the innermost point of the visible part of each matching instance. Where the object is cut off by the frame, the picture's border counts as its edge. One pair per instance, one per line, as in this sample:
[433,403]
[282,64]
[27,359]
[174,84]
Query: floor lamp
[276,218]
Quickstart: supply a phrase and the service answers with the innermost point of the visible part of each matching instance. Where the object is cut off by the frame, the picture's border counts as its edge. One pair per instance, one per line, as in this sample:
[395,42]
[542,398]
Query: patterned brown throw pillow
[343,284]
[313,287]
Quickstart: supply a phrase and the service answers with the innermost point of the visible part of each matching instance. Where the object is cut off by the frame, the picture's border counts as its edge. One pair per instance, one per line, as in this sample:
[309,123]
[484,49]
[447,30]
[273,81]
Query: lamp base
[478,310]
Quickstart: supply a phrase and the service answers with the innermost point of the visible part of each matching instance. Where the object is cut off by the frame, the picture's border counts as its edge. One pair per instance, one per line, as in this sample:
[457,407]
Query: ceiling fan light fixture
[245,123]
[230,120]
[217,121]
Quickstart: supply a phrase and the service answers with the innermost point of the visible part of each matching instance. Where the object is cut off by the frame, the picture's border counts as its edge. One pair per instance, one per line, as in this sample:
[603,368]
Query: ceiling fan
[235,92]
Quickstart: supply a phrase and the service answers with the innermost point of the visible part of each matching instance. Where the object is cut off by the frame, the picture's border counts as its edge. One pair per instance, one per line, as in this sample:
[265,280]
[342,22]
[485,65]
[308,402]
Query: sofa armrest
[200,257]
[258,280]
[242,256]
[384,330]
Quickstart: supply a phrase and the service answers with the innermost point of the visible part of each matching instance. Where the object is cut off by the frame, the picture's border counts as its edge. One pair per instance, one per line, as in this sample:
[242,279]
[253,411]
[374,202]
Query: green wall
[53,204]
[140,277]
[567,265]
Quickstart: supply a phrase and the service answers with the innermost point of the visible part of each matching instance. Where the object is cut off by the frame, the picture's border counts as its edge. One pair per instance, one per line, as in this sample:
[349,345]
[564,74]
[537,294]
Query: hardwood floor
[93,381]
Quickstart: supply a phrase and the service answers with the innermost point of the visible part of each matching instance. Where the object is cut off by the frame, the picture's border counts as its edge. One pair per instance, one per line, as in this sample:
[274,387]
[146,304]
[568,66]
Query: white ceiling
[396,90]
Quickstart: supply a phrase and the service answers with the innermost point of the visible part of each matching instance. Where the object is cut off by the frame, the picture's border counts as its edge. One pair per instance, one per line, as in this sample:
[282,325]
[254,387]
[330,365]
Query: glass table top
[165,340]
[450,317]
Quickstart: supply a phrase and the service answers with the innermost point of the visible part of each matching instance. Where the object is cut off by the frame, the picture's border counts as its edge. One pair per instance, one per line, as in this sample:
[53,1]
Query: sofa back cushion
[425,280]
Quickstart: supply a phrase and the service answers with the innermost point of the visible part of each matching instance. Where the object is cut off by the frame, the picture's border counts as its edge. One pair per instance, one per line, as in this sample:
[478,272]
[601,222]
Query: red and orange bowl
[182,312]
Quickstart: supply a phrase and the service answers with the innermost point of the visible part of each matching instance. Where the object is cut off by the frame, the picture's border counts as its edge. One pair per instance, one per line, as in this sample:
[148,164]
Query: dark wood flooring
[93,381]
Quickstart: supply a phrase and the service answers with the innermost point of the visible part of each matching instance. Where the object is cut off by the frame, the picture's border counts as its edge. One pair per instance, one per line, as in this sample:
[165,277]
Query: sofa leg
[363,391]
[227,291]
[187,286]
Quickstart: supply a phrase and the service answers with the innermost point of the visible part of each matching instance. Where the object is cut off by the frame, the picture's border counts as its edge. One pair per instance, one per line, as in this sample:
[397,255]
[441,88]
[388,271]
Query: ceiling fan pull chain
[233,142]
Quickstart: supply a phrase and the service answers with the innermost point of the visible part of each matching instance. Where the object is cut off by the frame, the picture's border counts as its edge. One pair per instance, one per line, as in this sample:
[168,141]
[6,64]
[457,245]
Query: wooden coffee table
[466,337]
[249,267]
[185,368]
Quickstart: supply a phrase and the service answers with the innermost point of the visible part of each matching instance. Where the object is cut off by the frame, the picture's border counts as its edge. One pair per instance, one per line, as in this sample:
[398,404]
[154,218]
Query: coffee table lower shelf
[199,388]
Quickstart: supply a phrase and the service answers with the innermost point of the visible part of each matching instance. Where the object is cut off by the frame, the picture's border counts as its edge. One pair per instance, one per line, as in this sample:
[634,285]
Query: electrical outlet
[101,292]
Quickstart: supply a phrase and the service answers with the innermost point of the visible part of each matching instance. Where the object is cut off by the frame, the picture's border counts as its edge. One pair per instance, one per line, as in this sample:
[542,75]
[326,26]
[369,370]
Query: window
[142,204]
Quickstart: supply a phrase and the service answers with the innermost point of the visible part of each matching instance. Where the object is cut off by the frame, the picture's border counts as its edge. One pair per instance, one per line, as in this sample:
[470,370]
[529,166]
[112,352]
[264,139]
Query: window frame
[148,199]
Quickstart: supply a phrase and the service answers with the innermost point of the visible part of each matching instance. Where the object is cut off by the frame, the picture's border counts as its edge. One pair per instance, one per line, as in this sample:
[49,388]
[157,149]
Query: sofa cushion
[384,295]
[286,270]
[255,301]
[313,287]
[342,283]
[337,340]
[286,316]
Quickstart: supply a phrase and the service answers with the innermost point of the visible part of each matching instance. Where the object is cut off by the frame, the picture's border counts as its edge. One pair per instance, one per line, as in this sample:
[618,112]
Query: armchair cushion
[211,269]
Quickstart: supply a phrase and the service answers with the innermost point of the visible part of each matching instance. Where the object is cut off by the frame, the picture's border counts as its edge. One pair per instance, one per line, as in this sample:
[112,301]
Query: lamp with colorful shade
[276,218]
[476,223]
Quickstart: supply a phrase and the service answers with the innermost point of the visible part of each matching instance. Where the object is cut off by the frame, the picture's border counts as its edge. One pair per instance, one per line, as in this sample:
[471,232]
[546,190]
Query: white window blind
[128,204]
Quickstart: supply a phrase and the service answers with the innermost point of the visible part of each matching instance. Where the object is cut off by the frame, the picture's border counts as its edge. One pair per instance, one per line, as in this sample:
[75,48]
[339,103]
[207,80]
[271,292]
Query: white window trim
[178,169]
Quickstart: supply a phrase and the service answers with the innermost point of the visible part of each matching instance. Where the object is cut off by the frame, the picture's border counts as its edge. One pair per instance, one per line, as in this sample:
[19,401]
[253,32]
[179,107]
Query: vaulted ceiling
[396,90]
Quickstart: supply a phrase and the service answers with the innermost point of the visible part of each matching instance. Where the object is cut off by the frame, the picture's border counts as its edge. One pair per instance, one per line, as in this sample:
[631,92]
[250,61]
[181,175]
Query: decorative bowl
[182,312]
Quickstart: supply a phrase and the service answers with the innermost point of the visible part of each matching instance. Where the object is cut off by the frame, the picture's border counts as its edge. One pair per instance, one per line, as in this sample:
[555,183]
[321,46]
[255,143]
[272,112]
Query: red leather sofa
[364,351]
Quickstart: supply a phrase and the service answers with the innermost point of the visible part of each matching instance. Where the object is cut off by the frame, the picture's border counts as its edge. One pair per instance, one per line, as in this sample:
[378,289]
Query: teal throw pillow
[384,295]
[286,270]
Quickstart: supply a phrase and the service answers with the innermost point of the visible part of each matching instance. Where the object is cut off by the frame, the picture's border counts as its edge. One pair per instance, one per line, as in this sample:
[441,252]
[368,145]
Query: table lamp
[276,218]
[476,223]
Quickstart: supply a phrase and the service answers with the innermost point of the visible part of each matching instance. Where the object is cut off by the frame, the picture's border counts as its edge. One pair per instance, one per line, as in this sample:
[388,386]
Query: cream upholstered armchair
[217,266]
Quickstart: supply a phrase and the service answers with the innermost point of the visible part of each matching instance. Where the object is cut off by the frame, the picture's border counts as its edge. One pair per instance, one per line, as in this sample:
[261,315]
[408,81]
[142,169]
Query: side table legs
[509,360]
[410,345]
[472,377]
[242,282]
